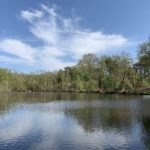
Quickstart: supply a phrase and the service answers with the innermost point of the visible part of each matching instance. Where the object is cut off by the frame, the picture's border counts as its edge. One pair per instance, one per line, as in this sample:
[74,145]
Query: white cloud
[61,38]
[18,48]
[31,15]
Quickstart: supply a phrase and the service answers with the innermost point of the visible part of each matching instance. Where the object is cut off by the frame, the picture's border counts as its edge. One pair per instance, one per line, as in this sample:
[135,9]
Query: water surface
[52,121]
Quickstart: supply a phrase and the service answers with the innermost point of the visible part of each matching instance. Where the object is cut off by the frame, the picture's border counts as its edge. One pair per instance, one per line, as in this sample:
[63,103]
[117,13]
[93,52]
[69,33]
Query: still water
[52,121]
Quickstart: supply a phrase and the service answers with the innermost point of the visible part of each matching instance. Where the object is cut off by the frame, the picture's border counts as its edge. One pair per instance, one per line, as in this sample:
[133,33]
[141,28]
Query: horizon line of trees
[115,73]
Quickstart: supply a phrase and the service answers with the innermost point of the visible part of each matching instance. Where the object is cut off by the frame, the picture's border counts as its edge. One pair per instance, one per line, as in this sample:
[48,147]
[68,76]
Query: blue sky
[51,34]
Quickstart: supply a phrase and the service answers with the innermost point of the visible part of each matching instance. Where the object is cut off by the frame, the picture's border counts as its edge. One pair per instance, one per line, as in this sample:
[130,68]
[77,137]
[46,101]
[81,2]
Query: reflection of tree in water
[92,119]
[9,99]
[144,112]
[146,131]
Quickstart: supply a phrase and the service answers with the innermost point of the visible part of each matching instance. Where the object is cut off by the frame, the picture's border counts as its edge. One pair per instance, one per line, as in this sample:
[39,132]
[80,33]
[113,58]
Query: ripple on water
[76,125]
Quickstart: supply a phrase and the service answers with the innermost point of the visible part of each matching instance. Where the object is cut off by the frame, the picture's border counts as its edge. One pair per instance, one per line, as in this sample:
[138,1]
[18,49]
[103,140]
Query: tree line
[105,74]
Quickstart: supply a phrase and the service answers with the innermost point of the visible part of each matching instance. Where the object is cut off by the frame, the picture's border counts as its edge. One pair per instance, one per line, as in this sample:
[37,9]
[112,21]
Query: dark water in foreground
[74,122]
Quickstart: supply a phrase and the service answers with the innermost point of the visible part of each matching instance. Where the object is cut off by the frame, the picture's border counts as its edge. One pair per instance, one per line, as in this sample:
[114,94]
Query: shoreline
[78,92]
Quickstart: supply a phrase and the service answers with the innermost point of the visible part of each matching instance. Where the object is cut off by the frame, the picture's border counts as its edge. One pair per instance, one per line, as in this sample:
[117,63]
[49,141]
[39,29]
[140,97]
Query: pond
[62,121]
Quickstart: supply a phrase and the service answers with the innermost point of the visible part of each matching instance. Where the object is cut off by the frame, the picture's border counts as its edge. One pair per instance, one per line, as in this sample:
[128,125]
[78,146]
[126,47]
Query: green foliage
[108,73]
[143,65]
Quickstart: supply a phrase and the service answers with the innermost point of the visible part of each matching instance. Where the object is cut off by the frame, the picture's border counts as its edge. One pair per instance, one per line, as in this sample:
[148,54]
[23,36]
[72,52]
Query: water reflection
[73,121]
[93,119]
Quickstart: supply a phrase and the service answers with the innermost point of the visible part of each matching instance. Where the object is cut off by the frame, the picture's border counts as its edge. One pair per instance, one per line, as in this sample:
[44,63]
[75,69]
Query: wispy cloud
[62,40]
[18,48]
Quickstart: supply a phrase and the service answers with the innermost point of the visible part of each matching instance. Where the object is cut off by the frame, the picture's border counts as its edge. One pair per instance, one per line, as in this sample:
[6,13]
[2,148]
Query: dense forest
[105,74]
